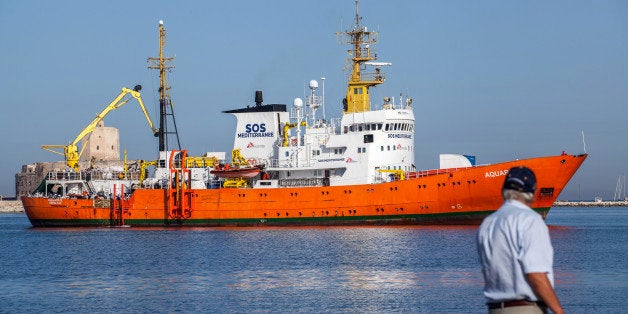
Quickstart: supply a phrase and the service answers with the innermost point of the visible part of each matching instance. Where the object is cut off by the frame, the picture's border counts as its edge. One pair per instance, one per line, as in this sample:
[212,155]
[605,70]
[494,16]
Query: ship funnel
[258,98]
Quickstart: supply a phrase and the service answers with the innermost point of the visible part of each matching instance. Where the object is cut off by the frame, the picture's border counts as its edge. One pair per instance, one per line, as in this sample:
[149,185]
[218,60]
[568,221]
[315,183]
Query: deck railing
[94,174]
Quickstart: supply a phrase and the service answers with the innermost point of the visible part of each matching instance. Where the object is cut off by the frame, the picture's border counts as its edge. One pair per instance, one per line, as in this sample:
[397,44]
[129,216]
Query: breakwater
[11,207]
[591,204]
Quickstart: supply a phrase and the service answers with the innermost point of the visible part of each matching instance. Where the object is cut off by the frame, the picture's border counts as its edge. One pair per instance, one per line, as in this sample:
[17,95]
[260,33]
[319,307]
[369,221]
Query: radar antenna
[360,55]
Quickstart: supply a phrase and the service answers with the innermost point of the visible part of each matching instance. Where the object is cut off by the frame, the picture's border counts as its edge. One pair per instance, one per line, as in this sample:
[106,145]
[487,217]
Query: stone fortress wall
[102,151]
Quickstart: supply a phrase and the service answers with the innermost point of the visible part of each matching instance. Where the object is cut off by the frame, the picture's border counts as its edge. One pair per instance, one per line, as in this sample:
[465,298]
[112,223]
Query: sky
[500,80]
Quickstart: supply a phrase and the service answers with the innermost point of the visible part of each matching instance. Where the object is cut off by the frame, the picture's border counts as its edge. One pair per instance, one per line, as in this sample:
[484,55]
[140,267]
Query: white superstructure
[299,148]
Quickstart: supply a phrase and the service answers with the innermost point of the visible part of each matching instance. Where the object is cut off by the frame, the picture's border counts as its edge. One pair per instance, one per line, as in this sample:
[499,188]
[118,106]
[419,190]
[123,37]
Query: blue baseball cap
[520,179]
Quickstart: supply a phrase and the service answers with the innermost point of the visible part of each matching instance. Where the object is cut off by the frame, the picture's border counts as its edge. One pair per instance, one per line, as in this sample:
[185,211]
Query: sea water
[286,270]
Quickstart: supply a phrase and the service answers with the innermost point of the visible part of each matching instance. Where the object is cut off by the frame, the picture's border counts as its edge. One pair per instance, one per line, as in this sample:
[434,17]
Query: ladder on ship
[118,207]
[178,196]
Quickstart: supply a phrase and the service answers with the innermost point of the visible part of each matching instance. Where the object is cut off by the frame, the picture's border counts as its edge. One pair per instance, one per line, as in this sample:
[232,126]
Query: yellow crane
[71,152]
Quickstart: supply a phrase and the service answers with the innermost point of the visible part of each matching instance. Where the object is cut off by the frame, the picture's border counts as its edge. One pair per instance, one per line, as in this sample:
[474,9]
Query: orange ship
[293,167]
[448,196]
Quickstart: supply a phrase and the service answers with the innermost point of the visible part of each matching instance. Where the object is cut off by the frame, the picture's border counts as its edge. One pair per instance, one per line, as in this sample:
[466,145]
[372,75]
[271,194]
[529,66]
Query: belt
[499,305]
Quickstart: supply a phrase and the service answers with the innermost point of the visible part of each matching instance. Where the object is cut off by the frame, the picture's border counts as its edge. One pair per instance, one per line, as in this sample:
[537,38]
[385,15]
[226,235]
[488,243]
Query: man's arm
[543,289]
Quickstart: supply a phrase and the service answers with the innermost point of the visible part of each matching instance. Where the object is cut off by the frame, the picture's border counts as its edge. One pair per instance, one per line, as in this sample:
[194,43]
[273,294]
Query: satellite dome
[298,102]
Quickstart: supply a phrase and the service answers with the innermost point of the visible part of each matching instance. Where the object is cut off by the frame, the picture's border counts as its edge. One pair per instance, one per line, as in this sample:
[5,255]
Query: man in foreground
[516,253]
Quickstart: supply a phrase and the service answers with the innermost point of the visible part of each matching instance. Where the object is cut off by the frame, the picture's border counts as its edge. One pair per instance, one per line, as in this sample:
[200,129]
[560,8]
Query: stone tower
[103,144]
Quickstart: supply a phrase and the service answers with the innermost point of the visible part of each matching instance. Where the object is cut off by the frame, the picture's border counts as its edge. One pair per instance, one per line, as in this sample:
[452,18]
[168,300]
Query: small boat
[228,171]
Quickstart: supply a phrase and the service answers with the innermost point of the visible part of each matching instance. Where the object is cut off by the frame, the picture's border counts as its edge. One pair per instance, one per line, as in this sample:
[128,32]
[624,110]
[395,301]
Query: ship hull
[446,196]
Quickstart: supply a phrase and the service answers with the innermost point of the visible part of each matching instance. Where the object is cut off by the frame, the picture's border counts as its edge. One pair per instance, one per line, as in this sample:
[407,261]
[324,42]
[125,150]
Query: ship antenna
[323,98]
[584,144]
[164,65]
[357,16]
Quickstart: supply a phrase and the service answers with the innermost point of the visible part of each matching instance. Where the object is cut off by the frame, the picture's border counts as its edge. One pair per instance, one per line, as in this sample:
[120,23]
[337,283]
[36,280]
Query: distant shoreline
[590,204]
[13,206]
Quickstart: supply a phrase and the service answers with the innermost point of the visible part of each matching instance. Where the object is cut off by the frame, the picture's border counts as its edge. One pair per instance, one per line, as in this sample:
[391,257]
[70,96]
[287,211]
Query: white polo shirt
[513,241]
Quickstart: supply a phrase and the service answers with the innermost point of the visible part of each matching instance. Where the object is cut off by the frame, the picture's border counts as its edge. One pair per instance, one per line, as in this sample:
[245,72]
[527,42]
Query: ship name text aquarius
[494,174]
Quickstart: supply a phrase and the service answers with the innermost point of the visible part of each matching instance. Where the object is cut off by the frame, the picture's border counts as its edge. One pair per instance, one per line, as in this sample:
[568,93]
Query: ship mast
[360,39]
[164,65]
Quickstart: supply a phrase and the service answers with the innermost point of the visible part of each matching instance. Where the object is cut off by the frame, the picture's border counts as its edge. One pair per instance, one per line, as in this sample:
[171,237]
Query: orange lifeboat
[228,171]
